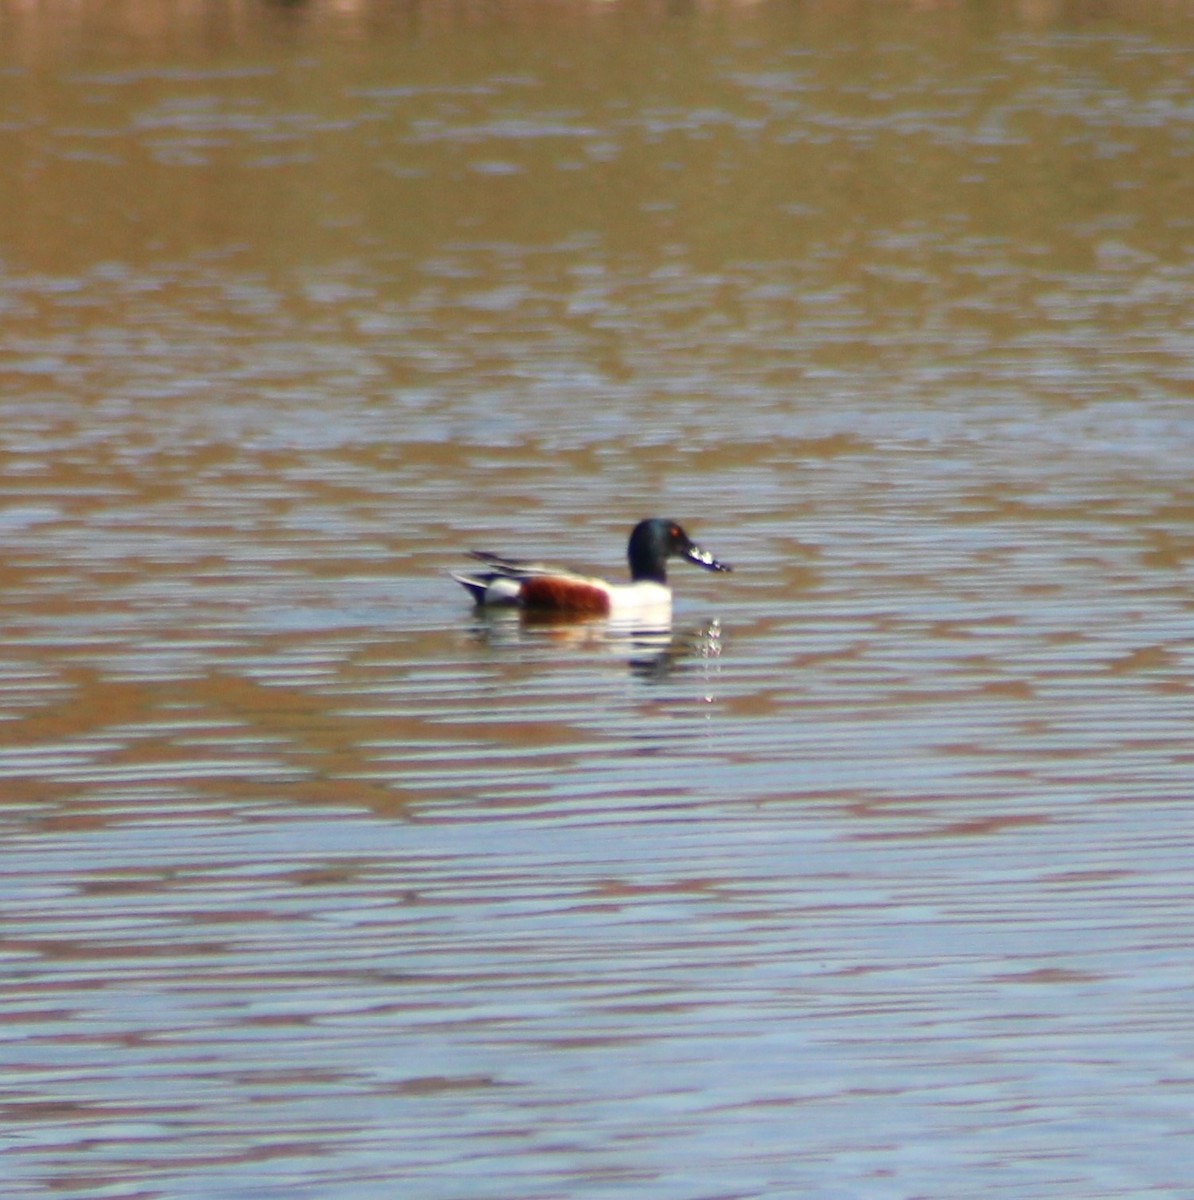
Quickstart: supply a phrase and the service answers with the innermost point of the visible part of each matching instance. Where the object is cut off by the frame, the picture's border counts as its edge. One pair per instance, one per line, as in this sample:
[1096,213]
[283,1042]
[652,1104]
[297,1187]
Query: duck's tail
[476,585]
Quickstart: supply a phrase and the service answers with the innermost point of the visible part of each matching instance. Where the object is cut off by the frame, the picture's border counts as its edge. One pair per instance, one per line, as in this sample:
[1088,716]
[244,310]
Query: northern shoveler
[538,587]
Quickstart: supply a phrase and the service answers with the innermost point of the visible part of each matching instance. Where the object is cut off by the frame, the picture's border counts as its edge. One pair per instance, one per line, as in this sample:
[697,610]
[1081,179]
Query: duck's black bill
[704,559]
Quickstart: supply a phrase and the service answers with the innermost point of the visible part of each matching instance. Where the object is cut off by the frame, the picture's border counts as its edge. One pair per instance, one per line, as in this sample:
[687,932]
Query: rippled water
[871,879]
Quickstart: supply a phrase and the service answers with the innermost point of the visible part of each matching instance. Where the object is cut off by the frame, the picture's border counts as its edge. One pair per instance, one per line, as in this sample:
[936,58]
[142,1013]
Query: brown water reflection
[871,876]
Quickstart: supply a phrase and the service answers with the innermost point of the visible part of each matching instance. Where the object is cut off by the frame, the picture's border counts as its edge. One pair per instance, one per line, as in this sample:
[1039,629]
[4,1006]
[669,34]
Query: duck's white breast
[643,601]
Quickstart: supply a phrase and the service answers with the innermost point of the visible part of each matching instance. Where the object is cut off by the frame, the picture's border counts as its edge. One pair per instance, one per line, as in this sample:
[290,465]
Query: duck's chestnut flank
[558,593]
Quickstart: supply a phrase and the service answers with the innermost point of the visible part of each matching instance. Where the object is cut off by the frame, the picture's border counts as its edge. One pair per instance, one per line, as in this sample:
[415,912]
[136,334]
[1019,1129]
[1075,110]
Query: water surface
[871,879]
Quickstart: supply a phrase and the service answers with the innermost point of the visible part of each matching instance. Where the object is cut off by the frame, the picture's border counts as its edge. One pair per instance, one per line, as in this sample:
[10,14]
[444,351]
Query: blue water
[869,879]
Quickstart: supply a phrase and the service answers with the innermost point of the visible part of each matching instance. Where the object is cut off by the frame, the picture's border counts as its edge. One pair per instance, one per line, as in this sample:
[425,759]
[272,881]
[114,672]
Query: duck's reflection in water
[651,651]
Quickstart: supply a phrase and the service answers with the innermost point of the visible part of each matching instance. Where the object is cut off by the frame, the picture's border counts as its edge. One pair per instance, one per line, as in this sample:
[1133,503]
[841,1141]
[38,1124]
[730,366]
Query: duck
[546,589]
